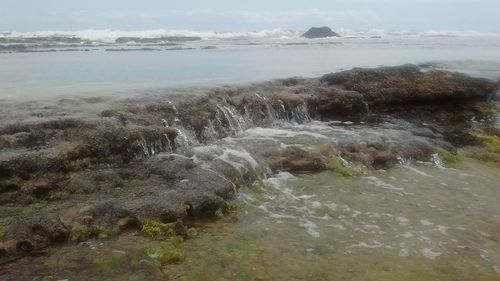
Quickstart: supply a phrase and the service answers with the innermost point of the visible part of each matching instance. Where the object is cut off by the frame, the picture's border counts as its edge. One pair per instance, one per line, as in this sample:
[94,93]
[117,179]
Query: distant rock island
[320,32]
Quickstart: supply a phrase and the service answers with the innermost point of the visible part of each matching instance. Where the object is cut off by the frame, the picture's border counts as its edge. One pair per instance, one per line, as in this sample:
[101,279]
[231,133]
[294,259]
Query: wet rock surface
[407,84]
[96,173]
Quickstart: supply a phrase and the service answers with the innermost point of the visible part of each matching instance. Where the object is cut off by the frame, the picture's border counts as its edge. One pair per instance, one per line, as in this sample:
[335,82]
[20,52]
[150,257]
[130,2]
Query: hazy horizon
[224,15]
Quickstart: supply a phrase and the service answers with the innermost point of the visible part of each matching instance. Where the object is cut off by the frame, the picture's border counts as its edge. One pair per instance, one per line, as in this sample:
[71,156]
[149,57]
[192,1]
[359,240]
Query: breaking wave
[111,35]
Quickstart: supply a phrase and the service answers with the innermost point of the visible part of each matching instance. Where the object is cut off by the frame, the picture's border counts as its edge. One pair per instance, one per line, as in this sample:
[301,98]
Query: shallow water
[417,222]
[411,222]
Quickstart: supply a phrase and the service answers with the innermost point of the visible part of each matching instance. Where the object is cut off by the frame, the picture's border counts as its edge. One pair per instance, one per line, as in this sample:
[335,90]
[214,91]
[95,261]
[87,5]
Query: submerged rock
[295,160]
[319,32]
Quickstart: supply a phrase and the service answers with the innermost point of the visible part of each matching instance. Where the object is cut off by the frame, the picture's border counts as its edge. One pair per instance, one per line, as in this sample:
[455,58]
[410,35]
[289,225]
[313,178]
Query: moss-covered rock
[295,159]
[161,231]
[491,142]
[169,251]
[104,231]
[192,232]
[450,159]
[107,263]
[490,145]
[231,207]
[334,164]
[80,233]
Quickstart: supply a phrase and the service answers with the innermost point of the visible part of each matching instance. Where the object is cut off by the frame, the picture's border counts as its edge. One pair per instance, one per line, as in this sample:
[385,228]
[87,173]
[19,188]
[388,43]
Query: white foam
[496,268]
[332,206]
[426,222]
[379,183]
[278,179]
[417,171]
[271,133]
[311,228]
[430,254]
[442,229]
[239,154]
[408,235]
[110,35]
[402,33]
[238,159]
[404,252]
[279,216]
[316,204]
[374,245]
[338,226]
[402,220]
[371,227]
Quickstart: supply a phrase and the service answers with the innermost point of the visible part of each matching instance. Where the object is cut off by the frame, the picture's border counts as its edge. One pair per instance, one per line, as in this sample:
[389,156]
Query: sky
[250,15]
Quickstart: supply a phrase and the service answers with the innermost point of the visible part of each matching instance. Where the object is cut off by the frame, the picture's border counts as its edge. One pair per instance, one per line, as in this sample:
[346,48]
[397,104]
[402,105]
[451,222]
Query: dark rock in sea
[41,40]
[320,32]
[12,47]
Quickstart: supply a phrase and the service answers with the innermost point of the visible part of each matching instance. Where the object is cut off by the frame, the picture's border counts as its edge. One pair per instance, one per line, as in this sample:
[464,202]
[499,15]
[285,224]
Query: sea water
[100,66]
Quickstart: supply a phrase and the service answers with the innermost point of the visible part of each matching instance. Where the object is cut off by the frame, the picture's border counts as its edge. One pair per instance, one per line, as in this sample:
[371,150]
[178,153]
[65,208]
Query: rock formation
[320,32]
[148,158]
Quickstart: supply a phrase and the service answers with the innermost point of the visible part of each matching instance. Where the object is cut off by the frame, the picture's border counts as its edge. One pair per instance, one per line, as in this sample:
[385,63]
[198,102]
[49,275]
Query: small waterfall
[367,107]
[182,140]
[230,116]
[143,145]
[300,113]
[437,161]
[147,147]
[227,120]
[170,148]
[209,132]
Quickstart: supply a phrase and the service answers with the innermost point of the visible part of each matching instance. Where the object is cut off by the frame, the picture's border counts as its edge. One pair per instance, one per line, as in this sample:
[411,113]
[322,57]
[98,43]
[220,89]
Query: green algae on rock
[334,164]
[169,251]
[450,159]
[489,150]
[491,142]
[162,231]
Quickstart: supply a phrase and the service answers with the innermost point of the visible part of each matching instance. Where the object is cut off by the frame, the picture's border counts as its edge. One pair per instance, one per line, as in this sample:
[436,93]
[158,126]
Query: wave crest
[110,35]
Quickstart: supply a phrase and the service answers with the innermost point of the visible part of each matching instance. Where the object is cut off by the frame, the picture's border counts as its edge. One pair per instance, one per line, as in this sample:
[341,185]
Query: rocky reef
[179,158]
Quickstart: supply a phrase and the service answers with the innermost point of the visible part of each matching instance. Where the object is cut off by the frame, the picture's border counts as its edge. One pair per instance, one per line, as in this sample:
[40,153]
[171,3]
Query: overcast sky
[234,15]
